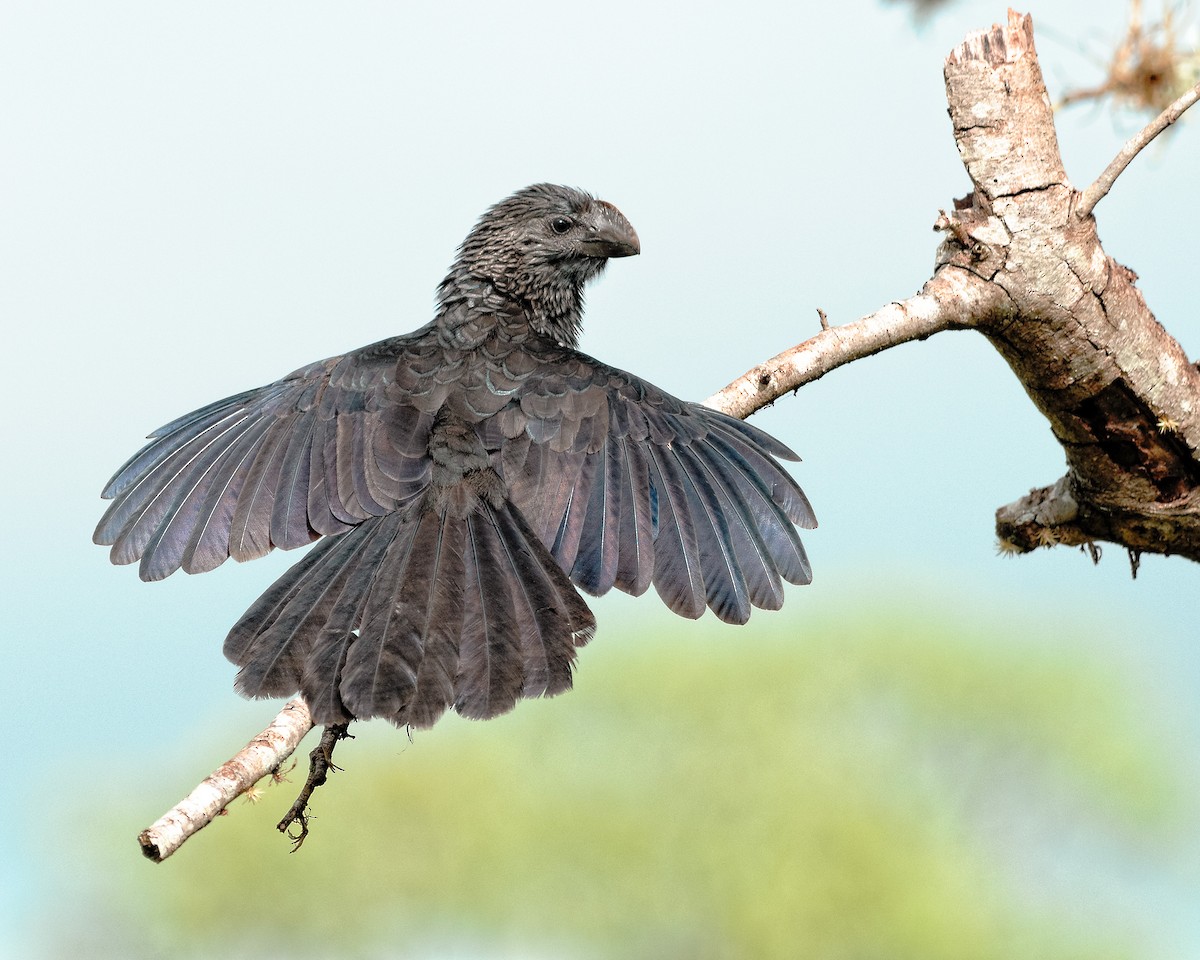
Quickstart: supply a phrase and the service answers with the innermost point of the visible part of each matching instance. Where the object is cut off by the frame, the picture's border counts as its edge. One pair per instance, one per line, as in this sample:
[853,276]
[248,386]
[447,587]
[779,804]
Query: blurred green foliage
[889,788]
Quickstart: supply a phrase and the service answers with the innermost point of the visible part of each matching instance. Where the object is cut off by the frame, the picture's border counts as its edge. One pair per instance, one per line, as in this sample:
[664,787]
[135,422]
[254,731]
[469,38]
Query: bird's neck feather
[554,310]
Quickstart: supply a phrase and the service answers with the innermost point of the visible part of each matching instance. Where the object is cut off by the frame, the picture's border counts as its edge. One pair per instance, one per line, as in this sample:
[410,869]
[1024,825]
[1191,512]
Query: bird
[464,483]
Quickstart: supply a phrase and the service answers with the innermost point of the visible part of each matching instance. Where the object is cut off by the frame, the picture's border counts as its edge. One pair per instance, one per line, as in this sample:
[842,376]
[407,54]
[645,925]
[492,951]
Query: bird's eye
[560,225]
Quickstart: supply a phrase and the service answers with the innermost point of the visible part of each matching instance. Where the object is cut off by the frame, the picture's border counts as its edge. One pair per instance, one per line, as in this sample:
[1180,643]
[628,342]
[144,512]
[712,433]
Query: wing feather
[289,511]
[751,553]
[637,521]
[725,589]
[628,486]
[207,546]
[595,566]
[312,454]
[677,576]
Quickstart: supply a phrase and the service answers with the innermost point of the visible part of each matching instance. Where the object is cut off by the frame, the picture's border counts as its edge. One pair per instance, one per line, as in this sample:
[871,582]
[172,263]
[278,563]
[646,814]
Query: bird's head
[541,245]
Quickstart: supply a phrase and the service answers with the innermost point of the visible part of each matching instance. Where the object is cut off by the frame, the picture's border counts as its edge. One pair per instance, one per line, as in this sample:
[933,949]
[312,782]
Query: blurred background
[932,751]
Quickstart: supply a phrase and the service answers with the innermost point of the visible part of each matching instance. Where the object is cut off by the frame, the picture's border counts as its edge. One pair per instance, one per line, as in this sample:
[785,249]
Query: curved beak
[610,234]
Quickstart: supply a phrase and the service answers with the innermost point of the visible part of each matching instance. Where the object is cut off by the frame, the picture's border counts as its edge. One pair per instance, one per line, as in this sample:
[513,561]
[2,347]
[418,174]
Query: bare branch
[953,299]
[1098,190]
[261,756]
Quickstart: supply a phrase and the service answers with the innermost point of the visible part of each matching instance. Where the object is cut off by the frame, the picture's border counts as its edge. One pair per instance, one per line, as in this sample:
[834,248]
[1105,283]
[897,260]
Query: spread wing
[277,466]
[628,486]
[625,484]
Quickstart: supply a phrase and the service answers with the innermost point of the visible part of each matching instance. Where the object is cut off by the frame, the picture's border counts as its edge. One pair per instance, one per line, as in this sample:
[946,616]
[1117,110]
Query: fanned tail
[407,614]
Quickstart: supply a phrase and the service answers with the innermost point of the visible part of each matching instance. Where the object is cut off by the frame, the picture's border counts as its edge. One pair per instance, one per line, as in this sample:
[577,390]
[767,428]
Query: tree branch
[1099,190]
[261,756]
[1118,391]
[953,299]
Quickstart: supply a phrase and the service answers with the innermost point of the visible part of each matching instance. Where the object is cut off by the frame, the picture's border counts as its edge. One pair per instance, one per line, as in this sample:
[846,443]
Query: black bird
[463,480]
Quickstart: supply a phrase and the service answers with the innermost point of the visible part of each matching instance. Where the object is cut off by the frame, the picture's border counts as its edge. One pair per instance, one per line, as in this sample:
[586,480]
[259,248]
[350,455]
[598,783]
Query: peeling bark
[1117,389]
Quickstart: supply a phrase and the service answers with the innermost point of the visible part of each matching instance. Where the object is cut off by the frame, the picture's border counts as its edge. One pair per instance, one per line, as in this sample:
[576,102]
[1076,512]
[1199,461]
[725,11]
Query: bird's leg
[321,764]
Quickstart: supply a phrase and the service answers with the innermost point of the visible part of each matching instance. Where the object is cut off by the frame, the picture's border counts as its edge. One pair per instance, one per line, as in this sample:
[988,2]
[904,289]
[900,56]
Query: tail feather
[550,607]
[446,583]
[410,613]
[490,668]
[381,664]
[326,655]
[315,604]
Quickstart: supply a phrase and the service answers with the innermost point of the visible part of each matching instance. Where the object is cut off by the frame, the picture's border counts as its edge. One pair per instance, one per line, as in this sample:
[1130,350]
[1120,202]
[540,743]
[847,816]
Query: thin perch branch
[259,757]
[1098,190]
[953,299]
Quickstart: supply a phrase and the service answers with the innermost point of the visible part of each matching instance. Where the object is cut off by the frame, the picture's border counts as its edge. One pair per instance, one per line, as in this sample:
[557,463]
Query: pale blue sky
[198,198]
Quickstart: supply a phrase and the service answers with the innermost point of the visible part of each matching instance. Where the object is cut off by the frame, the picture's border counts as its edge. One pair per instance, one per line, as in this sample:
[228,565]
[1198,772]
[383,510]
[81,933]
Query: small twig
[946,223]
[956,228]
[1078,96]
[261,756]
[952,299]
[824,319]
[320,766]
[1098,190]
